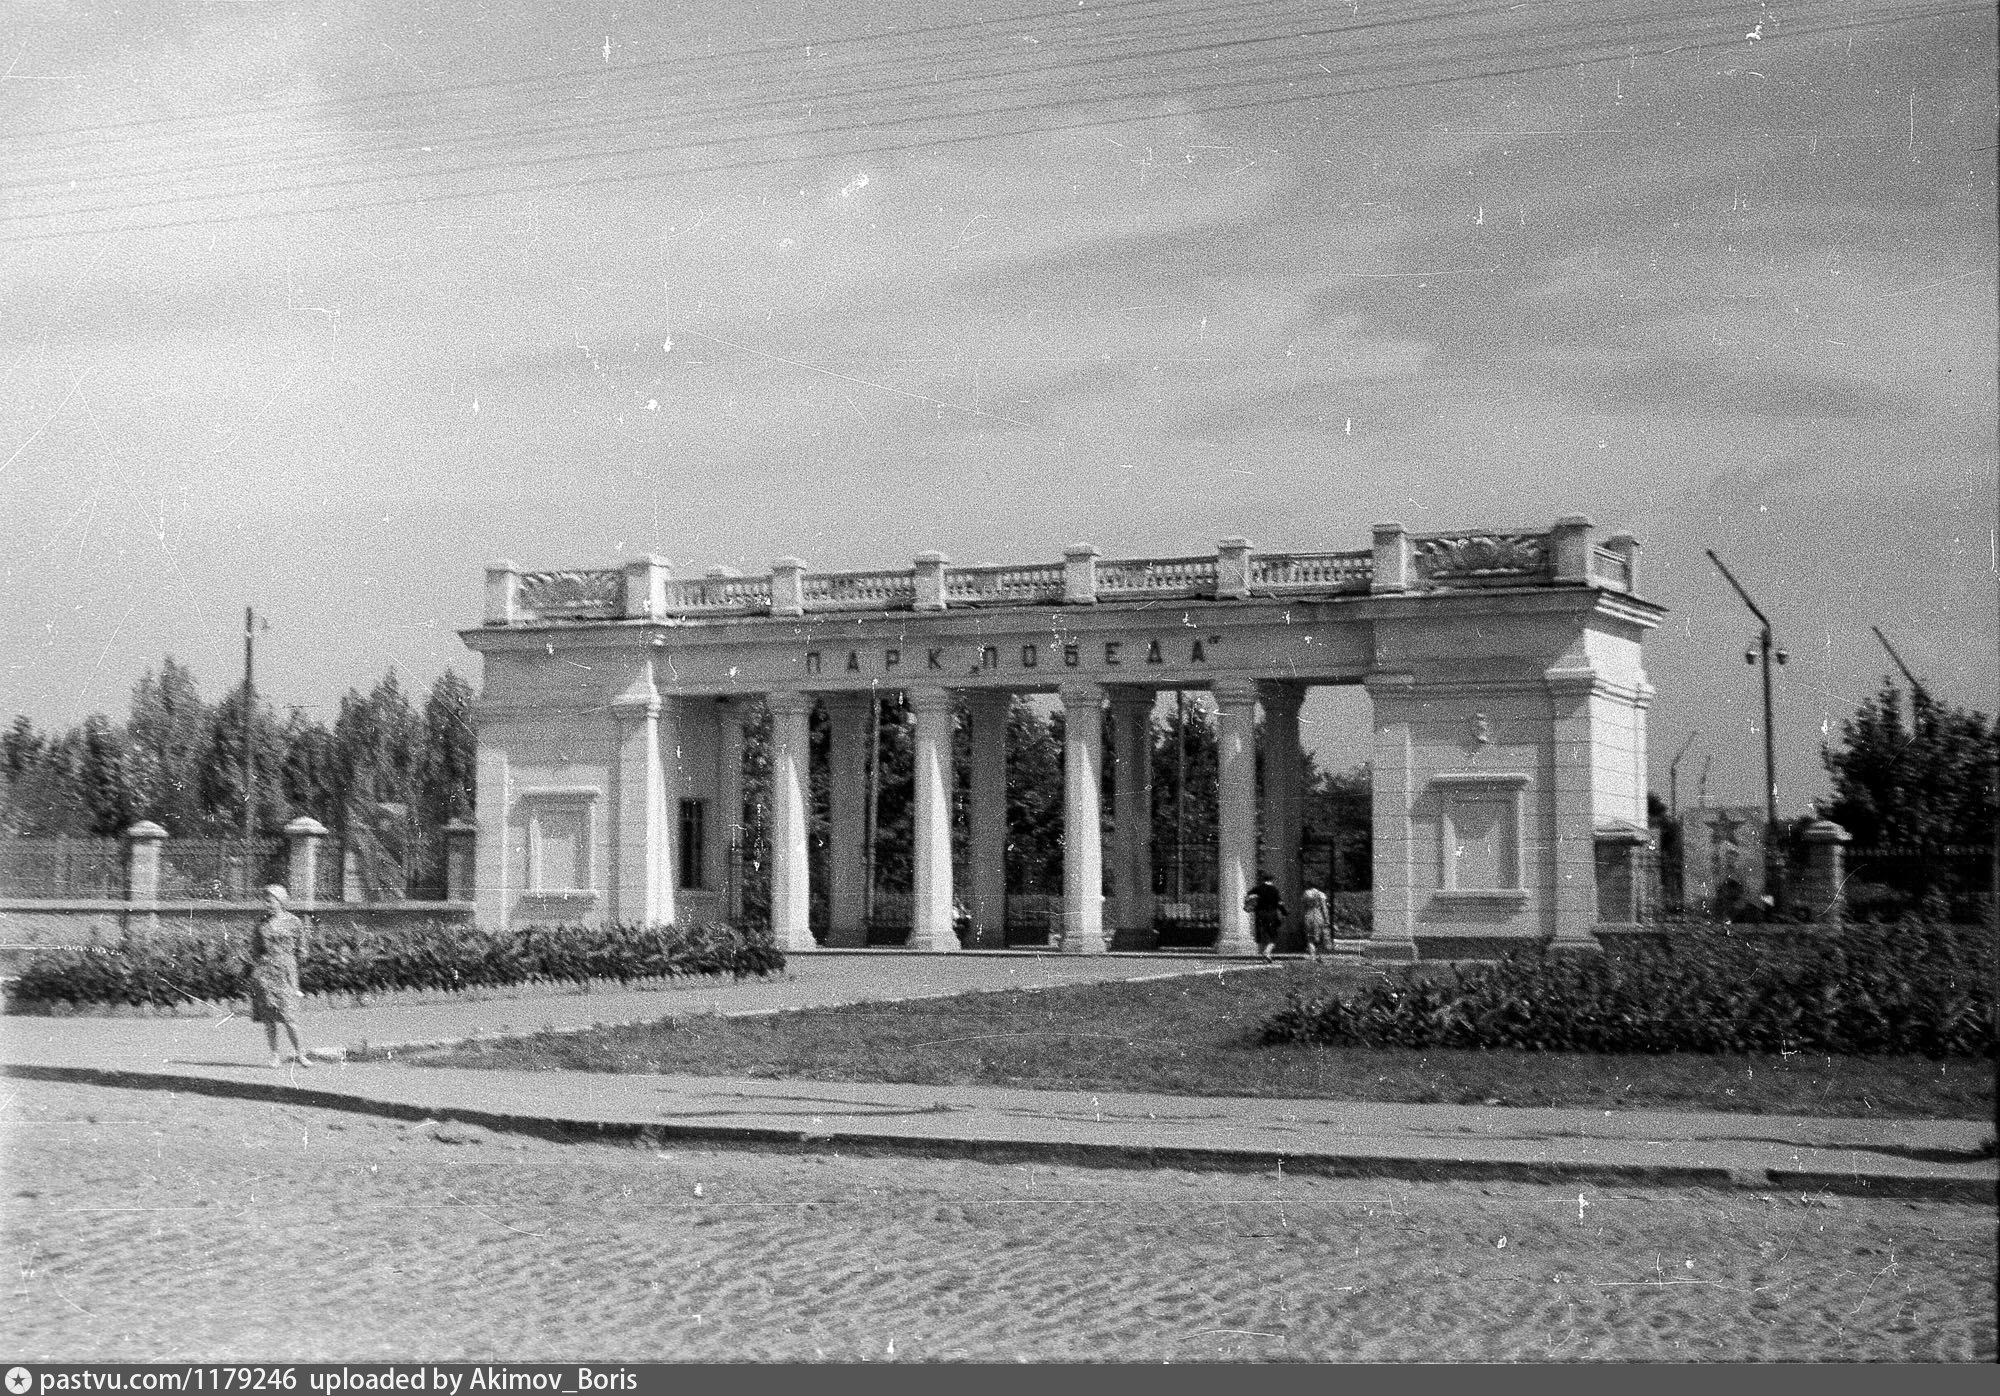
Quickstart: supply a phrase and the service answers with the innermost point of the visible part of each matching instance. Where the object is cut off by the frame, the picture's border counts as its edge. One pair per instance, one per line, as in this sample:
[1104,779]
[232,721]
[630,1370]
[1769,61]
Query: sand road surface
[142,1225]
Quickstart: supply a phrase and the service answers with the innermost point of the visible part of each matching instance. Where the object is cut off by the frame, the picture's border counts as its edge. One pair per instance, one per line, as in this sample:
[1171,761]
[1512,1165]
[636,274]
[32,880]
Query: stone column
[729,718]
[1236,838]
[987,855]
[791,800]
[1132,793]
[931,906]
[643,829]
[847,800]
[1824,888]
[493,896]
[1083,849]
[303,837]
[1284,792]
[1571,832]
[142,876]
[460,867]
[1393,913]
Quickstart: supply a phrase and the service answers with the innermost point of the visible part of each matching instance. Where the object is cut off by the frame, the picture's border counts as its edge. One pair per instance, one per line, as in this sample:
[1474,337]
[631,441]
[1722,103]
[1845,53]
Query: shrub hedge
[1915,988]
[165,971]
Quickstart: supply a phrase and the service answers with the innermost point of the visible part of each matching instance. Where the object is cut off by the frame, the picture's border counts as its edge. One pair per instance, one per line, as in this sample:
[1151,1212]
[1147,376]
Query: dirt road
[145,1226]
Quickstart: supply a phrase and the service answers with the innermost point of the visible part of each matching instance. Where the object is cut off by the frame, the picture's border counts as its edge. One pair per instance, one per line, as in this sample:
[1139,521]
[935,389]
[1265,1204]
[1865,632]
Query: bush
[1913,988]
[166,971]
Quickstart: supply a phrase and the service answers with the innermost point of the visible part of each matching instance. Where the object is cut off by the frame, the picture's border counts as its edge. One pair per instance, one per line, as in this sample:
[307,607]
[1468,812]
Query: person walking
[274,973]
[1318,921]
[1267,904]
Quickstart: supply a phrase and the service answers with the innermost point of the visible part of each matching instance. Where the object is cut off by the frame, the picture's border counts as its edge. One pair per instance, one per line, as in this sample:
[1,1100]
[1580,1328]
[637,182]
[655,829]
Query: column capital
[1233,692]
[846,701]
[930,698]
[989,701]
[785,703]
[636,707]
[146,831]
[1126,697]
[1281,694]
[306,827]
[1081,693]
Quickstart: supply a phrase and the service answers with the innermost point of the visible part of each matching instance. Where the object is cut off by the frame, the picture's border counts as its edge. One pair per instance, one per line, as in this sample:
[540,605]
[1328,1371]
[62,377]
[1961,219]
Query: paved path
[217,1055]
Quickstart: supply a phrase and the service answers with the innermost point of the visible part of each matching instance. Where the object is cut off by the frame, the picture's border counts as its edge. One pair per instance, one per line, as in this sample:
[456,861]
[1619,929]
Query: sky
[318,308]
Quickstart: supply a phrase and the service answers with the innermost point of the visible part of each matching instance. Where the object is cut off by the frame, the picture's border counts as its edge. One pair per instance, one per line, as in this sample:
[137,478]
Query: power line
[1018,109]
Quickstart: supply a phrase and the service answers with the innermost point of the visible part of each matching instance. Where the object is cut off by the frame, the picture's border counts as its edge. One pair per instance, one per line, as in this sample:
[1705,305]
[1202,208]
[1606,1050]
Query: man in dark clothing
[1267,905]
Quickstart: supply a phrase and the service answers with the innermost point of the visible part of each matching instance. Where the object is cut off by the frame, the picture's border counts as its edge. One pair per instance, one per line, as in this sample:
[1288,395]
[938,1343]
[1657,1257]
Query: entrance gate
[1508,746]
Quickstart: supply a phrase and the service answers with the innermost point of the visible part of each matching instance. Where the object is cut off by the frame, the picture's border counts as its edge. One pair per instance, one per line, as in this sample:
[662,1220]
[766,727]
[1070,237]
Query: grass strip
[1199,1035]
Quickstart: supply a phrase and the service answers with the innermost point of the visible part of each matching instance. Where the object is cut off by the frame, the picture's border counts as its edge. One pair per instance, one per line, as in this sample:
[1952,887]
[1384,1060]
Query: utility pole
[1774,882]
[249,708]
[1916,685]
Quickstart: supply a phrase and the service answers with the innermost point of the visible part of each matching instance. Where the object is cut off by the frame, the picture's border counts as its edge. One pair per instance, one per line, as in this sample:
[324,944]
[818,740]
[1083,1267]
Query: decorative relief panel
[573,594]
[1477,555]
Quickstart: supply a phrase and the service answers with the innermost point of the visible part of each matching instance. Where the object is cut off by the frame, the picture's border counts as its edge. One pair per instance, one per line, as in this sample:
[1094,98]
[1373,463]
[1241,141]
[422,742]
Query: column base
[853,937]
[1386,948]
[1075,942]
[1241,947]
[936,942]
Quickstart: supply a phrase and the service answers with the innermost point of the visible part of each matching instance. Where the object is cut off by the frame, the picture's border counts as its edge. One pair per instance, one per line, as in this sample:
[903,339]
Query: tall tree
[220,784]
[1924,783]
[446,776]
[104,779]
[168,735]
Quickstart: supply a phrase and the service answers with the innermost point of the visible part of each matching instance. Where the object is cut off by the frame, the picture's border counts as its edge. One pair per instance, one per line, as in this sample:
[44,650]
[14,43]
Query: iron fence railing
[63,869]
[220,870]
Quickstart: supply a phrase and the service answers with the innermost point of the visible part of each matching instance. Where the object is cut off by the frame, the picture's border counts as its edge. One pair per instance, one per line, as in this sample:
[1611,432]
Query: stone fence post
[930,581]
[1080,575]
[460,839]
[646,587]
[1823,887]
[1571,543]
[303,837]
[788,587]
[503,593]
[1392,559]
[142,873]
[1232,569]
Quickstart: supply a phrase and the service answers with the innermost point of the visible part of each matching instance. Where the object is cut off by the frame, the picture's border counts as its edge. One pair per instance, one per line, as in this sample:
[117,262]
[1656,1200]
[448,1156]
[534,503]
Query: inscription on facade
[992,659]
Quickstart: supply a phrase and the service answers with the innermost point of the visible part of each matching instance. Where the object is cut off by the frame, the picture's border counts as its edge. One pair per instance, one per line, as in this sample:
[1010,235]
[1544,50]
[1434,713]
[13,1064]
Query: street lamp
[1774,883]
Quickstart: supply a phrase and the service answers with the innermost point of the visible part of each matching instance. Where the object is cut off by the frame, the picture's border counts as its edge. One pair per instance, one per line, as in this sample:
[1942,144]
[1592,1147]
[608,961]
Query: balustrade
[1416,563]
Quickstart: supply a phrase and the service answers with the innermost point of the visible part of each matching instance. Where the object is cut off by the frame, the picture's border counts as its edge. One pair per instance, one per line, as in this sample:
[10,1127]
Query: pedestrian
[1267,905]
[274,973]
[1319,923]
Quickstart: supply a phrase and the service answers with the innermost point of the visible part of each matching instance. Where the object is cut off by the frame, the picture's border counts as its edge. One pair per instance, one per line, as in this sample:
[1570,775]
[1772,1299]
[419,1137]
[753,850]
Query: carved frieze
[1475,555]
[579,593]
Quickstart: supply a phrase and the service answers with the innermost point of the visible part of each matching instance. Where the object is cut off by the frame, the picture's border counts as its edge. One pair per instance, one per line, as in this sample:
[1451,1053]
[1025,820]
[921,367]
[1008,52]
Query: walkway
[219,1055]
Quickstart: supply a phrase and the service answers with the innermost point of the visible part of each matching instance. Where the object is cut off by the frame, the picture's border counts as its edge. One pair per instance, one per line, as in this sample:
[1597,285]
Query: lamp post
[1774,882]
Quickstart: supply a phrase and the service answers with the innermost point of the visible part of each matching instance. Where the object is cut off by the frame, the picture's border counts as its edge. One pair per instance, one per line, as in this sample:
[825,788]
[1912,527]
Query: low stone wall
[31,925]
